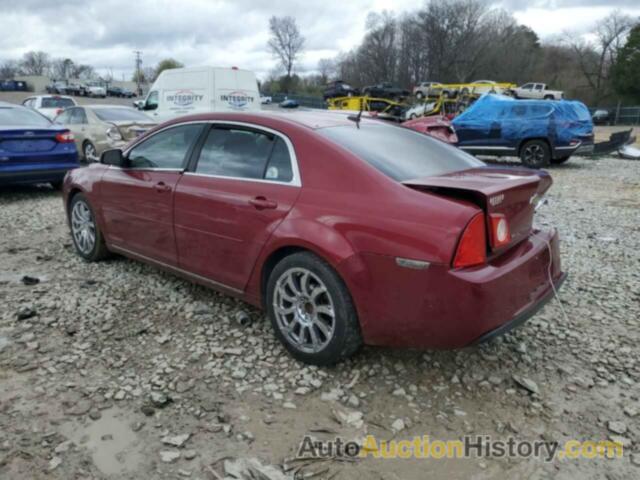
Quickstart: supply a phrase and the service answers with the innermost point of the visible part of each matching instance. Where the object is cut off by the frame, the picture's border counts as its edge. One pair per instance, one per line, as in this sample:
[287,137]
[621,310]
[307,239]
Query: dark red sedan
[347,232]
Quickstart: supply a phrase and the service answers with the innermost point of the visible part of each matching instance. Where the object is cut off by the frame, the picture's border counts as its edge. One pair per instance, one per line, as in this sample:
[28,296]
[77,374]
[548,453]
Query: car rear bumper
[40,174]
[438,307]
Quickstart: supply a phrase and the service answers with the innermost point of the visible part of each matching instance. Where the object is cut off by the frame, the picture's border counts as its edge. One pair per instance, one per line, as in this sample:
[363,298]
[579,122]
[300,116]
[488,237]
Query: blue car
[32,149]
[540,132]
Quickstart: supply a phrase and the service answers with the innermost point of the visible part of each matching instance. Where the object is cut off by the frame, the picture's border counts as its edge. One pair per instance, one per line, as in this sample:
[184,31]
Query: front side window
[398,152]
[527,86]
[152,101]
[166,150]
[238,153]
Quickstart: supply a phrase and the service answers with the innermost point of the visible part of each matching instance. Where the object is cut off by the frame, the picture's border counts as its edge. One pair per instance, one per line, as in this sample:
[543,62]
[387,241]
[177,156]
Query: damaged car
[540,132]
[254,205]
[99,127]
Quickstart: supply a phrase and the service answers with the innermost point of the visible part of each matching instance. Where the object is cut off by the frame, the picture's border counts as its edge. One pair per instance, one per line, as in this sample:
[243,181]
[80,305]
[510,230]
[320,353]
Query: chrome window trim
[295,181]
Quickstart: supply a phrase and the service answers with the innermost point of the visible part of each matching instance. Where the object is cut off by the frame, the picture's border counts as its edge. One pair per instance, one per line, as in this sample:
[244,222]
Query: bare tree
[327,69]
[9,69]
[62,68]
[596,57]
[35,63]
[286,42]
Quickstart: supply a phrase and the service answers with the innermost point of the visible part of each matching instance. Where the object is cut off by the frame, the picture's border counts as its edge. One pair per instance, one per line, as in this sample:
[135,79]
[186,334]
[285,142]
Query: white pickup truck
[537,91]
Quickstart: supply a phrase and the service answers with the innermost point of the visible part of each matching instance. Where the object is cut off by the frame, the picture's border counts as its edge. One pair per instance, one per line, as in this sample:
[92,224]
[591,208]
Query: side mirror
[139,104]
[113,157]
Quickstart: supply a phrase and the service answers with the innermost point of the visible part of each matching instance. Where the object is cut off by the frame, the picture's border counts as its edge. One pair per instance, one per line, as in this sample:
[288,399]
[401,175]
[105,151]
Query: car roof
[313,119]
[106,105]
[52,95]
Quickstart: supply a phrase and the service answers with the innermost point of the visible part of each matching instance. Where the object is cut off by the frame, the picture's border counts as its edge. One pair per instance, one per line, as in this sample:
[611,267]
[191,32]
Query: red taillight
[472,248]
[499,230]
[59,111]
[64,137]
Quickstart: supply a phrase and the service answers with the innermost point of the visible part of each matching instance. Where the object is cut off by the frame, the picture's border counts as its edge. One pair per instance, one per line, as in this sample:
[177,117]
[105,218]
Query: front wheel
[535,154]
[419,95]
[311,310]
[85,233]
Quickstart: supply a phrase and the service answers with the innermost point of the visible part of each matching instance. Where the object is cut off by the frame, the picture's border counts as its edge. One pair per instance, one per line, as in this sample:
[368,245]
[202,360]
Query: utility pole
[138,55]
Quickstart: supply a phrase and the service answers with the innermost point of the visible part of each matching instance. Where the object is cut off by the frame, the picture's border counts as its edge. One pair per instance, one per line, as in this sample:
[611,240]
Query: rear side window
[165,150]
[238,153]
[400,153]
[118,114]
[77,116]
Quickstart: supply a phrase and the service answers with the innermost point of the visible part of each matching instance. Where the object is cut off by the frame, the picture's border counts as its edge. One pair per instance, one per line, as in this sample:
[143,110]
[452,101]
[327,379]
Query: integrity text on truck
[185,91]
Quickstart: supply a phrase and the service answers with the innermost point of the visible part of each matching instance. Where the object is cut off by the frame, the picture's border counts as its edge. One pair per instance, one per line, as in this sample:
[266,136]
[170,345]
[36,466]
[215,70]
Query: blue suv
[540,132]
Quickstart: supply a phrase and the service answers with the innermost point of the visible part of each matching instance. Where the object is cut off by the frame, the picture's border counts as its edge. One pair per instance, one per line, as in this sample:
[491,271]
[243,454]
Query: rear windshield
[400,153]
[21,117]
[121,114]
[57,102]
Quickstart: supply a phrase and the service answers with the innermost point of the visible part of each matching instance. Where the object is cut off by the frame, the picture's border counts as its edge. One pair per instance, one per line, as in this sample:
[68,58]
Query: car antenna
[356,118]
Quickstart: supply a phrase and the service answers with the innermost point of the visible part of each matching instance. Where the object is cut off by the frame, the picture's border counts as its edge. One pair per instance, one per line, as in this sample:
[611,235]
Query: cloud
[104,33]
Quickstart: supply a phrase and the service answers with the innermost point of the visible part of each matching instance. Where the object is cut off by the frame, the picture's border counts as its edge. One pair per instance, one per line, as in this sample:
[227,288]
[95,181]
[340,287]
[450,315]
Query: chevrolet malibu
[347,231]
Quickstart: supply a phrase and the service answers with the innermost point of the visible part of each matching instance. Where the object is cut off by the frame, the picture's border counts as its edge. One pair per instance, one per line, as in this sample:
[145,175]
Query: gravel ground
[117,370]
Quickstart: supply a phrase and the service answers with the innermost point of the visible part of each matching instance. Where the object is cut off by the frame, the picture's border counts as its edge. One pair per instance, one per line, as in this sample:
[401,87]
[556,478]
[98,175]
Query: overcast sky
[104,33]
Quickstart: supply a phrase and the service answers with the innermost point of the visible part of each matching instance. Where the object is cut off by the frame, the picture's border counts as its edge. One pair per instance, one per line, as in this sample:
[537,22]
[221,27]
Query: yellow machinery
[382,106]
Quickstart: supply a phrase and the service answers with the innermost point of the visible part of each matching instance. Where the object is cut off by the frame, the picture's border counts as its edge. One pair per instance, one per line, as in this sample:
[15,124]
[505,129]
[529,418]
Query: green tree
[167,64]
[626,71]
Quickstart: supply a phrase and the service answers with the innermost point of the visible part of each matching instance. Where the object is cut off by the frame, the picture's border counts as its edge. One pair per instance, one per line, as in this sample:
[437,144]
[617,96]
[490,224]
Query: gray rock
[169,456]
[617,427]
[527,384]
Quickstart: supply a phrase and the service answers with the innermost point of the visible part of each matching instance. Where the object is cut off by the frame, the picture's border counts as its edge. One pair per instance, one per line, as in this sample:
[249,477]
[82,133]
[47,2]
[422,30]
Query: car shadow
[570,164]
[28,192]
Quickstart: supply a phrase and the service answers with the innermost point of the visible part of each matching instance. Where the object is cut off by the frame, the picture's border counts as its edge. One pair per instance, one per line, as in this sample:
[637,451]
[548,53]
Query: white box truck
[185,91]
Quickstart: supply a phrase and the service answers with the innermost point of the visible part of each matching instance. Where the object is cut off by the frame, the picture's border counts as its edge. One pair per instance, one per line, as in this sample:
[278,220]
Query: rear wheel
[535,154]
[419,95]
[85,233]
[90,153]
[311,310]
[560,160]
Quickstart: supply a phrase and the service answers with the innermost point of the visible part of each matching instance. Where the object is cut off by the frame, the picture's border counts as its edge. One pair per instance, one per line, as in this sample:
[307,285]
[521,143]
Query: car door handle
[262,203]
[162,187]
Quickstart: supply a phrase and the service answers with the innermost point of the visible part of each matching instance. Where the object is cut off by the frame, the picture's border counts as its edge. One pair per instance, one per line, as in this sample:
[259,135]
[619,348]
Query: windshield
[121,115]
[400,153]
[10,116]
[57,102]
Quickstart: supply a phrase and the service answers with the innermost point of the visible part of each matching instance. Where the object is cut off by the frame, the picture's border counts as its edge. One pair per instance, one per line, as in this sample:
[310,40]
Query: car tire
[85,232]
[558,161]
[413,116]
[535,154]
[548,97]
[311,310]
[89,152]
[419,95]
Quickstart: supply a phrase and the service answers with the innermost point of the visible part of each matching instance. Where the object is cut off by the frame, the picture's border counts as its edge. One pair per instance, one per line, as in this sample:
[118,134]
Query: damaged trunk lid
[513,193]
[132,130]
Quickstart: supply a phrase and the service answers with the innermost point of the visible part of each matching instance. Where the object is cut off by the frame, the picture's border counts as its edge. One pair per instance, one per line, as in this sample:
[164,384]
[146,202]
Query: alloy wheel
[533,155]
[83,227]
[304,310]
[90,153]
